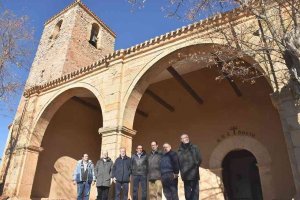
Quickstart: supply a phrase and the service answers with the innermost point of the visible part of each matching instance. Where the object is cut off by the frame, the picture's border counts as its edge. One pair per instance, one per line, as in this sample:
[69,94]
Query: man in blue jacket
[169,168]
[83,176]
[121,174]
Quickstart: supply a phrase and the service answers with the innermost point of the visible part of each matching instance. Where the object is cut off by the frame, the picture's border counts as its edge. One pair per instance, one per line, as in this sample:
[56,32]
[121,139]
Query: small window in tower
[94,35]
[56,30]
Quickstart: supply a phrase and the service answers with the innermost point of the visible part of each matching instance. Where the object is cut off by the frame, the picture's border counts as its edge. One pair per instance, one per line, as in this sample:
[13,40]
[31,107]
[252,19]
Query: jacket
[154,159]
[190,161]
[122,169]
[139,165]
[103,172]
[77,175]
[169,163]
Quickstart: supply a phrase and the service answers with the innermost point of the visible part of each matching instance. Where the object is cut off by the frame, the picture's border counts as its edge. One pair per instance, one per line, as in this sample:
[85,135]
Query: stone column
[289,111]
[22,171]
[113,138]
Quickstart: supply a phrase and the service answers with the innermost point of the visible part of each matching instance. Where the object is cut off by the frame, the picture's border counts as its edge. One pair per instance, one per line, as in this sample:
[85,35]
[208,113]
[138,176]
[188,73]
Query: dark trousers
[136,182]
[83,190]
[121,186]
[170,186]
[102,192]
[191,190]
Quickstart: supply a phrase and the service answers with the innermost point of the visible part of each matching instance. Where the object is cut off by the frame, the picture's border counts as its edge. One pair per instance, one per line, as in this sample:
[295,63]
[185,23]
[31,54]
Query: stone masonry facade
[68,65]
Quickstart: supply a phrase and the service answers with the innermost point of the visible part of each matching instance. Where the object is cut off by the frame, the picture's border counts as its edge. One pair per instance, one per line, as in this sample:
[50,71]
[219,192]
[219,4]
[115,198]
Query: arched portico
[178,111]
[156,69]
[66,127]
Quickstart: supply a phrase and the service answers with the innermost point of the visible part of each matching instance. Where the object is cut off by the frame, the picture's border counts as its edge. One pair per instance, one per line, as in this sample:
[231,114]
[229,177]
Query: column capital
[117,129]
[23,149]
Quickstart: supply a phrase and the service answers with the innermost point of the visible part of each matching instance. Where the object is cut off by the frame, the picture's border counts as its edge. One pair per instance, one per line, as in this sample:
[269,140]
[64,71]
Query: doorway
[241,176]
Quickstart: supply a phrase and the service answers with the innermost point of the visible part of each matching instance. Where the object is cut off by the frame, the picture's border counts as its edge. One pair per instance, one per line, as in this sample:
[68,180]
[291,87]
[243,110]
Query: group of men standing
[158,168]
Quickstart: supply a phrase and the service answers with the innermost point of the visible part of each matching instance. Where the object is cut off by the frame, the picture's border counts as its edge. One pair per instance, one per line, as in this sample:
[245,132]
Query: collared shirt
[85,165]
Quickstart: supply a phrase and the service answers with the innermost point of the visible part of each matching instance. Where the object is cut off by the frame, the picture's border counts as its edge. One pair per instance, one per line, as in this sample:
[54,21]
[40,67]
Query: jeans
[155,190]
[121,186]
[83,190]
[102,192]
[136,182]
[170,186]
[191,190]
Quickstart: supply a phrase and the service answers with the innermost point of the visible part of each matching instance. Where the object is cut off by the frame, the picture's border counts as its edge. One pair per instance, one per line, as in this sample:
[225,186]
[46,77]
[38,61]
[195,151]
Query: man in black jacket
[190,161]
[154,176]
[169,168]
[121,174]
[139,167]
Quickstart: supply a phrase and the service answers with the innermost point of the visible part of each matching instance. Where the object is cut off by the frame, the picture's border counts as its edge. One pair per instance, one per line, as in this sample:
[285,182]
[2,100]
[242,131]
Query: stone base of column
[20,180]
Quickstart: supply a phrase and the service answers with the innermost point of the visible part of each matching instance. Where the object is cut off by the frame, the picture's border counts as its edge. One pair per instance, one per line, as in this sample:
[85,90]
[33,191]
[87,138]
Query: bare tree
[272,37]
[15,36]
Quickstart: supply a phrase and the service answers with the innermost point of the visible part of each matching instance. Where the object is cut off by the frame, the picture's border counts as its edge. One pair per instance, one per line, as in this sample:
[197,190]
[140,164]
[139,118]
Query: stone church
[83,96]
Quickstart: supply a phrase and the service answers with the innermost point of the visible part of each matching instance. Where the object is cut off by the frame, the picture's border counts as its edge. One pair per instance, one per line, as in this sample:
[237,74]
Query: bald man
[169,168]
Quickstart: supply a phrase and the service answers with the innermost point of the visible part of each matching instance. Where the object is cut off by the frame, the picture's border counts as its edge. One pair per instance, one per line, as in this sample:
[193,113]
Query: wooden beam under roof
[159,100]
[185,84]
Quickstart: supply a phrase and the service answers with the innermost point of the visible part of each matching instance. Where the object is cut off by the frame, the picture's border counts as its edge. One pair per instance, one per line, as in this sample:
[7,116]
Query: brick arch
[162,60]
[238,143]
[54,103]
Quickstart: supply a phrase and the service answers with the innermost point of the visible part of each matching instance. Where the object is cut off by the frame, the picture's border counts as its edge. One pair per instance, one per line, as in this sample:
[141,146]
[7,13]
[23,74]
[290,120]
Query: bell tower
[73,38]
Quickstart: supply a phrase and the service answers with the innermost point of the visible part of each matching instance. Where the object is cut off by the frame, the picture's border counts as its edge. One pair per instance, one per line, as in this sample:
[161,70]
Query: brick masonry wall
[71,49]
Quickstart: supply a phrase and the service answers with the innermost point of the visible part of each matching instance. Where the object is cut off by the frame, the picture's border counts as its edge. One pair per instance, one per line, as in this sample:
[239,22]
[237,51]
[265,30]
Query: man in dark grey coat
[189,161]
[103,173]
[154,176]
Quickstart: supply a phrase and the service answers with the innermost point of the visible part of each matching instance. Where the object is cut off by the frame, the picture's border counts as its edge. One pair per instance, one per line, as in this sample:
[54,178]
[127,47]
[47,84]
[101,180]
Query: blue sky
[131,27]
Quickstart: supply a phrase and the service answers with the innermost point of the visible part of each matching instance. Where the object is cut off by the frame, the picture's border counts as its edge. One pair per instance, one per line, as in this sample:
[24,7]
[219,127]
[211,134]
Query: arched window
[94,35]
[56,30]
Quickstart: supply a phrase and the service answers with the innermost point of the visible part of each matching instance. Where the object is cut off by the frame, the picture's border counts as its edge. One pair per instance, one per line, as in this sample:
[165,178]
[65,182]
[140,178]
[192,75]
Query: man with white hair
[121,175]
[103,173]
[169,168]
[189,161]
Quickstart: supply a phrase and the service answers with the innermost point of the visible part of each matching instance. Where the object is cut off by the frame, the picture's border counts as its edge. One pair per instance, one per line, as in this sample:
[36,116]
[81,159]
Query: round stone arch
[162,61]
[54,103]
[256,148]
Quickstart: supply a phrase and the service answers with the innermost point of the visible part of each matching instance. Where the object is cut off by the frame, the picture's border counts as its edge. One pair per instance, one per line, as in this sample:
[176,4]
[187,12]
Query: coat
[189,161]
[103,172]
[154,159]
[139,165]
[169,163]
[77,176]
[122,169]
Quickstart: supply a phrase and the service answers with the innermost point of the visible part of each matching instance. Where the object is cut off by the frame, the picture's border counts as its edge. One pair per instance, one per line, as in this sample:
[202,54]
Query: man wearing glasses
[189,160]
